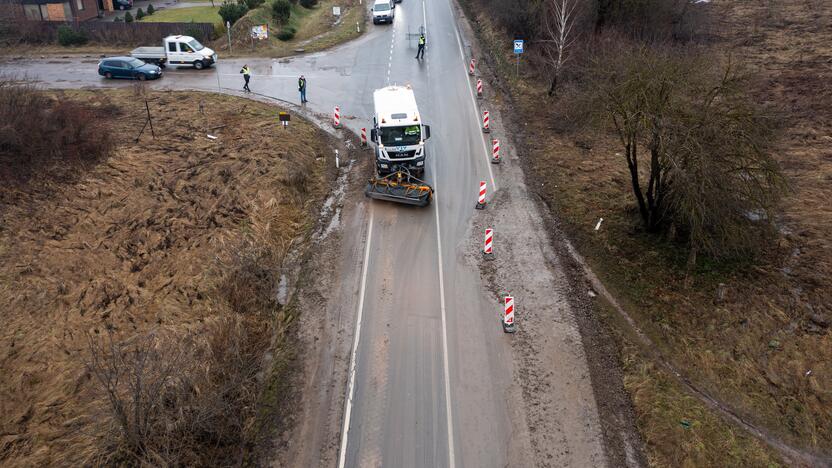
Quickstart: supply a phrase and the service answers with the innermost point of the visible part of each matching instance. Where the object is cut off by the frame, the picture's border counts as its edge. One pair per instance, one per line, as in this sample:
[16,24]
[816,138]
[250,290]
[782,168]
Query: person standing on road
[421,50]
[246,76]
[302,89]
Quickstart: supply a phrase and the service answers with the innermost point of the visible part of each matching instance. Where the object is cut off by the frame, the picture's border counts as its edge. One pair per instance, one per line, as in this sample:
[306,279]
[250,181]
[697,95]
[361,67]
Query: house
[60,10]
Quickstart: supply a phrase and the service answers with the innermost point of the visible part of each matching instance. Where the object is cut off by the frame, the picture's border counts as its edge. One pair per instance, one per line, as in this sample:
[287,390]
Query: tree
[559,37]
[128,18]
[139,14]
[150,9]
[695,144]
[231,12]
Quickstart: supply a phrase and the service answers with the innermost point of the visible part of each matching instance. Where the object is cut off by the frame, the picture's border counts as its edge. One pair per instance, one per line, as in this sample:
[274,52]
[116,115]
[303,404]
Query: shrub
[219,31]
[117,19]
[252,4]
[308,3]
[68,36]
[42,136]
[150,9]
[286,34]
[281,10]
[231,12]
[128,18]
[195,31]
[139,14]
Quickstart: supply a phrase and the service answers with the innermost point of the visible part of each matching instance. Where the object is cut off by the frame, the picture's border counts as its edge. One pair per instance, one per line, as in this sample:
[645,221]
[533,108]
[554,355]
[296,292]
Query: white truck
[398,131]
[177,50]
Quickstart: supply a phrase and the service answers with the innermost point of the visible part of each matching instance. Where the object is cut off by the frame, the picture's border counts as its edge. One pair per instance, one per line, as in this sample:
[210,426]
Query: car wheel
[199,65]
[142,77]
[108,75]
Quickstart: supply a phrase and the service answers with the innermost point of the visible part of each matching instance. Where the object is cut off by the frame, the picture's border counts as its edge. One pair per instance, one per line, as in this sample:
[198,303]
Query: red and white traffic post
[486,123]
[488,248]
[495,151]
[481,199]
[479,88]
[336,117]
[508,314]
[363,137]
[472,67]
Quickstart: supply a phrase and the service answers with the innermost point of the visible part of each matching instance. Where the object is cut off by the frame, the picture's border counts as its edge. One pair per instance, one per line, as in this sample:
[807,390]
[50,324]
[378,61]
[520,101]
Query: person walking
[246,76]
[421,50]
[302,89]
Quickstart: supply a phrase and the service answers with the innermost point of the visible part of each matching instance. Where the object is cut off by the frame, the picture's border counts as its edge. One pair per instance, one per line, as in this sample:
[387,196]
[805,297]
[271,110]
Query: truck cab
[398,131]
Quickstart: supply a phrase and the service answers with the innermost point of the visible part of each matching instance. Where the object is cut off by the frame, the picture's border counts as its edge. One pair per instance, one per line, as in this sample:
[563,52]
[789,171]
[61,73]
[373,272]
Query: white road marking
[473,100]
[342,458]
[446,367]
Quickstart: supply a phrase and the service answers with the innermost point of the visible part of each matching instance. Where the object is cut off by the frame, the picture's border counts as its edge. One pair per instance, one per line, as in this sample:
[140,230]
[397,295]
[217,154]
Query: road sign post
[518,50]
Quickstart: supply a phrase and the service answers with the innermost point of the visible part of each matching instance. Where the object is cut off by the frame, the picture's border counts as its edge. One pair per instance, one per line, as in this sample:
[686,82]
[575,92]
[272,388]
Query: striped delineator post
[488,247]
[481,199]
[479,88]
[472,67]
[363,137]
[485,122]
[495,151]
[336,117]
[508,314]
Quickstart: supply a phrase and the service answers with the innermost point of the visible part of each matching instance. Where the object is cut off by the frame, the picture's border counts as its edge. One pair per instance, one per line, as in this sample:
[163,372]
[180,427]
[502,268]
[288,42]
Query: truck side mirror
[373,134]
[427,132]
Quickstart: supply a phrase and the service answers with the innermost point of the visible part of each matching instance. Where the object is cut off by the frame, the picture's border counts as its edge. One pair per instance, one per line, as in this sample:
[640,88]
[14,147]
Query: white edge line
[446,368]
[451,456]
[473,99]
[342,457]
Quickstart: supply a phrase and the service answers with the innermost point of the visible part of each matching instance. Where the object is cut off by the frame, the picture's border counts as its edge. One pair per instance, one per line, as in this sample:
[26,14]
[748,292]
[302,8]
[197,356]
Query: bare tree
[559,36]
[695,144]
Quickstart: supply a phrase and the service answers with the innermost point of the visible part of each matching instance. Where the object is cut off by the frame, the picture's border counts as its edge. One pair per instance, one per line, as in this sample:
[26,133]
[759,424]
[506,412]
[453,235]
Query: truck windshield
[401,136]
[195,45]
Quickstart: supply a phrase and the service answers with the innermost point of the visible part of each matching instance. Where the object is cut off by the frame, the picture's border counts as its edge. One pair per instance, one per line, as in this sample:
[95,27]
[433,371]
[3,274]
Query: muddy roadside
[565,350]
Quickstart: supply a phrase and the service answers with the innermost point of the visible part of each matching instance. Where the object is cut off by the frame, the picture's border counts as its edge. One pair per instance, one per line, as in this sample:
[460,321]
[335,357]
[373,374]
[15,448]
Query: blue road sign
[518,46]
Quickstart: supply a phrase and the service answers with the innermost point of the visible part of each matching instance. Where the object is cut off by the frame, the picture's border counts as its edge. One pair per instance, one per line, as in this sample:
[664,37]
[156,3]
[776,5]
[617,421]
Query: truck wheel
[199,65]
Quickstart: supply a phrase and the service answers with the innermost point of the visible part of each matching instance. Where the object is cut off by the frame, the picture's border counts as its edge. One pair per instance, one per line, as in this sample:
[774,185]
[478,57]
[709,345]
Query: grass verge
[159,261]
[200,14]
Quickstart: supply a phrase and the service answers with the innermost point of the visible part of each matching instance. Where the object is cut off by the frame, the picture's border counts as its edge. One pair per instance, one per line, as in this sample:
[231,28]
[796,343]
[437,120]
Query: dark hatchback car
[128,67]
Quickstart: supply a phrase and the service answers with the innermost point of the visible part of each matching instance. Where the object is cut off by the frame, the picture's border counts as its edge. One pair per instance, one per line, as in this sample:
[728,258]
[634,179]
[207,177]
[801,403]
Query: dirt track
[138,242]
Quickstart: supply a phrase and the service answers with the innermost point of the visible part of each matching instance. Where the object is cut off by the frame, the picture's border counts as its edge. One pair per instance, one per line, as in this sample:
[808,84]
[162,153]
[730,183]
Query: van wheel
[199,65]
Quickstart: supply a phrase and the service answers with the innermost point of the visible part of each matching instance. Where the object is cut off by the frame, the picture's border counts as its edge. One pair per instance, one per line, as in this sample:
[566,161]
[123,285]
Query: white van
[383,11]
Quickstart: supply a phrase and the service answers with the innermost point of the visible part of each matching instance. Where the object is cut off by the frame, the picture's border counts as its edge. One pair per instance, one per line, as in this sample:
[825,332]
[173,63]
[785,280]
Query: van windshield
[381,6]
[195,45]
[401,136]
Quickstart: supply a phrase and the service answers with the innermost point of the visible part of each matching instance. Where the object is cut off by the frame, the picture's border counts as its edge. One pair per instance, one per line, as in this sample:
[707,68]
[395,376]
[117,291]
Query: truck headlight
[420,164]
[383,166]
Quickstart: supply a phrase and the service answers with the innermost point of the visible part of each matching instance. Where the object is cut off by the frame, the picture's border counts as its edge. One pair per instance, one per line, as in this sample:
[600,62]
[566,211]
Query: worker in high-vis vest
[246,76]
[421,51]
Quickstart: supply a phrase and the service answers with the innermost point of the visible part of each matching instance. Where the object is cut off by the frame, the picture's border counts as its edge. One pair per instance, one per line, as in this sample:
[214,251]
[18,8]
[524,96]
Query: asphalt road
[432,367]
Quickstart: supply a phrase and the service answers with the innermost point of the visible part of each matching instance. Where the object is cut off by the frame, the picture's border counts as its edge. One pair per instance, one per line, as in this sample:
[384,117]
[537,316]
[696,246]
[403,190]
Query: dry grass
[758,349]
[316,30]
[160,236]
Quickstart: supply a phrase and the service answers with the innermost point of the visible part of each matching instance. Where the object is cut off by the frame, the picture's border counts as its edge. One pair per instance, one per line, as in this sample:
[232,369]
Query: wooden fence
[40,32]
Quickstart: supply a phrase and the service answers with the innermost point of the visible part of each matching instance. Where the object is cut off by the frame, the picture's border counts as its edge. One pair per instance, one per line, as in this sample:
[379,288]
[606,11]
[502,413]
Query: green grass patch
[201,14]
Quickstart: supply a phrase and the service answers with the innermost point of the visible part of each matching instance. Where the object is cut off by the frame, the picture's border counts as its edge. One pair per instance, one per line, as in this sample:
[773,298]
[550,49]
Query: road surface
[434,374]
